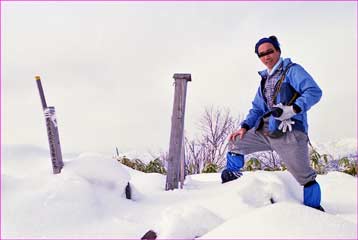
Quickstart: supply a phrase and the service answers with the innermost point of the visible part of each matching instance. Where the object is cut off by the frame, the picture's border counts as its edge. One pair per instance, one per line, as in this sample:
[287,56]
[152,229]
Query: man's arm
[304,84]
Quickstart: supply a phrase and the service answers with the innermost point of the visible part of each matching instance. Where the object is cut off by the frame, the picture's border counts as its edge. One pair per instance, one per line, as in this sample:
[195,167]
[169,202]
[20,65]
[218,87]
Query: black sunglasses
[262,54]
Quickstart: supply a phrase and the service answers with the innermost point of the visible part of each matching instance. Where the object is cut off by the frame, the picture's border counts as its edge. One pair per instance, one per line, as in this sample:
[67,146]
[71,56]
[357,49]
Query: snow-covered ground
[87,200]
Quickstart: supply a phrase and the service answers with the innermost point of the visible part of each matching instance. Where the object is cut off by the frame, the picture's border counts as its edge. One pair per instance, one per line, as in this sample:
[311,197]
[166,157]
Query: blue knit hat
[272,39]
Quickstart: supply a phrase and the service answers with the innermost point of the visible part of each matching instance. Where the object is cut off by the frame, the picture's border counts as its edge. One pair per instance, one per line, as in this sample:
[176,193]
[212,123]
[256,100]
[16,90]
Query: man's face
[268,55]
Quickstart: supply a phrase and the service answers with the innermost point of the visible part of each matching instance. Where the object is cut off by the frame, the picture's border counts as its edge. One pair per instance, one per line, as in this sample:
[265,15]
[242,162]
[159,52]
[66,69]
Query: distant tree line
[207,152]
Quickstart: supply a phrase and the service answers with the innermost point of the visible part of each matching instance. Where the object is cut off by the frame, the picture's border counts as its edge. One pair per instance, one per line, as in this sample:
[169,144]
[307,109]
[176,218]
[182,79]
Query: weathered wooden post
[52,131]
[177,131]
[182,164]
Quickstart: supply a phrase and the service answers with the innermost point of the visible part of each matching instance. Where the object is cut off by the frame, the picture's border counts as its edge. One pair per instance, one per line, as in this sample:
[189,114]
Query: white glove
[286,124]
[287,113]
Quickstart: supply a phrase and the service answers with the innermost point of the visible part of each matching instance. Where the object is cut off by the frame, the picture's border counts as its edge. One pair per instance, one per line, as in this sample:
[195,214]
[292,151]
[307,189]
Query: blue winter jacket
[296,80]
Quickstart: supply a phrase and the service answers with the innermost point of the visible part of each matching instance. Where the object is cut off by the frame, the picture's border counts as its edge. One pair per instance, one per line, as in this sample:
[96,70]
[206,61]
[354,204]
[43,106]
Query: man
[277,120]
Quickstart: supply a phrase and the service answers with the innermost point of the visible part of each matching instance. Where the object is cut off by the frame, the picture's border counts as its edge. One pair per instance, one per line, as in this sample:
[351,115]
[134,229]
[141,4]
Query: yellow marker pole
[52,131]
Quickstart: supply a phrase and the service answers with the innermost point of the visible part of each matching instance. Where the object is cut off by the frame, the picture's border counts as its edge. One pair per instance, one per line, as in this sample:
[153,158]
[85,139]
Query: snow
[285,219]
[87,200]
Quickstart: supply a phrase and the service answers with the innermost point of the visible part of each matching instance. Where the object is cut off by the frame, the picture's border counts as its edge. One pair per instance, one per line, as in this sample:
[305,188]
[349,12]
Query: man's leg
[312,195]
[293,150]
[251,142]
[234,162]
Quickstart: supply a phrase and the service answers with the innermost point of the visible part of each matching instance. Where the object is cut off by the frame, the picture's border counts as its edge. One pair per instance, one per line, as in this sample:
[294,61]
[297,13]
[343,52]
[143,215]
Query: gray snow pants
[292,148]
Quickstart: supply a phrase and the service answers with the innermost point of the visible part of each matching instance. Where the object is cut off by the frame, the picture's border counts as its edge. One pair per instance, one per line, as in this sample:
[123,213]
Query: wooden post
[177,131]
[182,164]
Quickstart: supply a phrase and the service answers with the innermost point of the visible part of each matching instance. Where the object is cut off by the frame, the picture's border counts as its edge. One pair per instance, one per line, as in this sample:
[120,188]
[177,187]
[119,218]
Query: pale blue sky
[107,67]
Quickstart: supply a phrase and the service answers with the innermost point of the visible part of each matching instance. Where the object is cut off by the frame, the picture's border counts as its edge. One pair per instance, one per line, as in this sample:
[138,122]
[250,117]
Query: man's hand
[287,112]
[241,132]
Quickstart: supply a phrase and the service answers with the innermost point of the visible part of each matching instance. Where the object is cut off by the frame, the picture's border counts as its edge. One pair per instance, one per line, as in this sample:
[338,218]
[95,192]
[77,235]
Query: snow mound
[86,189]
[284,220]
[186,222]
[99,170]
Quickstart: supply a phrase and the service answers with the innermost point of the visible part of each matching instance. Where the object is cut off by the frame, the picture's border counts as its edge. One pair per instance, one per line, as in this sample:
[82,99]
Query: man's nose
[267,57]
